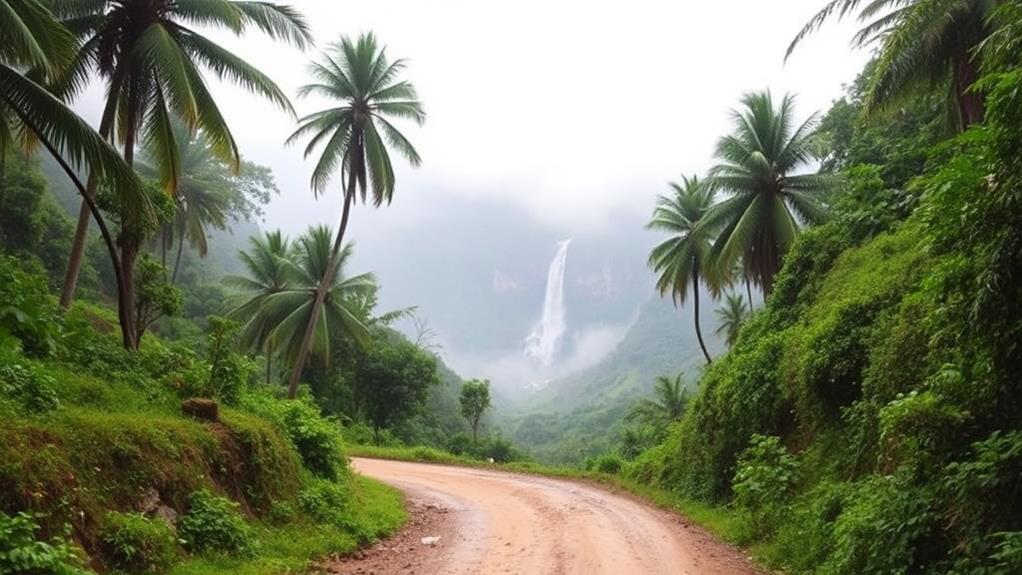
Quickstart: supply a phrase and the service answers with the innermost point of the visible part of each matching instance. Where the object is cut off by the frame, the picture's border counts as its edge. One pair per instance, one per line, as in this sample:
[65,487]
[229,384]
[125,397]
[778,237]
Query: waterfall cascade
[543,342]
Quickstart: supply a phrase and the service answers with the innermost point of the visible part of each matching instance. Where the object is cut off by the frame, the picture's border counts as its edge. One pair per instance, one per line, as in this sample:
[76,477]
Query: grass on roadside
[294,546]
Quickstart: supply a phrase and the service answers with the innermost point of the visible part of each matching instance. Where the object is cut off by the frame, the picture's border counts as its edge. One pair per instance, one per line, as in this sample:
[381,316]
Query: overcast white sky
[575,110]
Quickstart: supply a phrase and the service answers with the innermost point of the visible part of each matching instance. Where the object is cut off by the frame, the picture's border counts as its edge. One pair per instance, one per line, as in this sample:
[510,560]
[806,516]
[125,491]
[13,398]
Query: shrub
[330,502]
[281,513]
[214,524]
[28,387]
[21,552]
[885,527]
[138,544]
[460,444]
[764,481]
[498,449]
[317,439]
[27,313]
[610,463]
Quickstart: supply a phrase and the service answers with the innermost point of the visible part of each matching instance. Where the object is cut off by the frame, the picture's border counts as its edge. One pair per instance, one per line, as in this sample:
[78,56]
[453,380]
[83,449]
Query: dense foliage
[867,419]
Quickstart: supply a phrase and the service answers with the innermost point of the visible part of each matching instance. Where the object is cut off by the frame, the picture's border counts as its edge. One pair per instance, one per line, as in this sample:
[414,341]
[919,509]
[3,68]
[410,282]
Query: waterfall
[542,343]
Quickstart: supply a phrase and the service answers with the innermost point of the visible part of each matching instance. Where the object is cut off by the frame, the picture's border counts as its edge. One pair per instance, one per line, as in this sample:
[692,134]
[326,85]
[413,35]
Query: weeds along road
[493,522]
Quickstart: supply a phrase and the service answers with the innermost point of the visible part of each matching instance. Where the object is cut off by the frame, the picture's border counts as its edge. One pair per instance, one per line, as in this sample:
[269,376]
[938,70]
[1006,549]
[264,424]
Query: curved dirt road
[498,522]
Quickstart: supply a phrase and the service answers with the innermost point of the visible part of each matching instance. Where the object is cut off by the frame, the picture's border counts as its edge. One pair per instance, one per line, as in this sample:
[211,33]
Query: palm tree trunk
[970,103]
[74,260]
[269,365]
[324,286]
[129,244]
[748,289]
[177,260]
[89,204]
[695,306]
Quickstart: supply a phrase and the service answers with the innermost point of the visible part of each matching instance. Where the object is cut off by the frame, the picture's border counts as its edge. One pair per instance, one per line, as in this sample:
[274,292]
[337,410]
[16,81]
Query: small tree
[392,378]
[475,400]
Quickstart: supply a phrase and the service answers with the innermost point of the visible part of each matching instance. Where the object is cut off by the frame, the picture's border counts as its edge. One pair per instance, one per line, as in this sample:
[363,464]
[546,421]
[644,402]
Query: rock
[166,514]
[150,501]
[430,540]
[199,408]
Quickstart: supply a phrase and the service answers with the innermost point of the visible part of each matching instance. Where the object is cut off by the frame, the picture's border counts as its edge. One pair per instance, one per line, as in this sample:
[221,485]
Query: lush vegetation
[866,419]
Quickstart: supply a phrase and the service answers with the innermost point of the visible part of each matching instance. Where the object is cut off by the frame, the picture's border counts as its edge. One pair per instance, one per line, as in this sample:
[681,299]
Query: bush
[33,390]
[281,513]
[317,439]
[27,313]
[609,463]
[765,478]
[499,450]
[886,527]
[138,544]
[214,524]
[330,502]
[22,553]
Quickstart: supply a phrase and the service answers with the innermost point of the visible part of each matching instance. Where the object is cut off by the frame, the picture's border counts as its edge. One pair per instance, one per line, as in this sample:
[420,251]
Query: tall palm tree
[31,38]
[670,398]
[340,314]
[355,135]
[266,267]
[769,200]
[731,316]
[921,43]
[149,57]
[682,260]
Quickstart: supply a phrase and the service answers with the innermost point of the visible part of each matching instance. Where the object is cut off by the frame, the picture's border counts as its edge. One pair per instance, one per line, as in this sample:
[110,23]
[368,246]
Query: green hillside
[582,414]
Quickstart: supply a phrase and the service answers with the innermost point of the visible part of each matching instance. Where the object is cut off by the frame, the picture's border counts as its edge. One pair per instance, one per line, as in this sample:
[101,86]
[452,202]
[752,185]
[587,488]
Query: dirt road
[497,522]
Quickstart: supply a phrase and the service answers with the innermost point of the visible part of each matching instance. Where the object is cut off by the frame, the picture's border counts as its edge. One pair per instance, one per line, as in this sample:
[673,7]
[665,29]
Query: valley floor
[500,522]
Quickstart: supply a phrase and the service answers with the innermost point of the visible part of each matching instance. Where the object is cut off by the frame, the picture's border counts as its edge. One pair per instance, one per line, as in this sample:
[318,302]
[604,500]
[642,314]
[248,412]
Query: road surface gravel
[494,522]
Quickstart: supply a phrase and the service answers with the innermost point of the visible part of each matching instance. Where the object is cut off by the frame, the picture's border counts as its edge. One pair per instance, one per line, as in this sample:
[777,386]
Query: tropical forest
[403,287]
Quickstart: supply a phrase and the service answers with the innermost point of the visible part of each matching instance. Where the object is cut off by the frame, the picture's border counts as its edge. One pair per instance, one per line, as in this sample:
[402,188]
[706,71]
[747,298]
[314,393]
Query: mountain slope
[581,414]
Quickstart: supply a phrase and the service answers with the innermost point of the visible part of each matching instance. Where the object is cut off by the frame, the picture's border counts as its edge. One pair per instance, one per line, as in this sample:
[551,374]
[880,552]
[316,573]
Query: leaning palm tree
[150,59]
[731,316]
[670,398]
[340,314]
[32,39]
[355,135]
[922,43]
[682,260]
[769,200]
[266,264]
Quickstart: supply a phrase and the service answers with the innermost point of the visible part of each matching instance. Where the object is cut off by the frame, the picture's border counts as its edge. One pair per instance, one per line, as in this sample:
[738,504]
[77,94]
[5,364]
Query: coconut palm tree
[150,60]
[266,265]
[731,316]
[670,398]
[921,43]
[682,260]
[202,199]
[341,312]
[32,39]
[769,200]
[354,135]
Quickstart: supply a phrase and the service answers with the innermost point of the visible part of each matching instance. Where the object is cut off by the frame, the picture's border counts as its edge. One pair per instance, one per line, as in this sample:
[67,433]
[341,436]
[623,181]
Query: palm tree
[670,398]
[355,135]
[32,38]
[731,316]
[682,260]
[266,265]
[202,198]
[150,59]
[921,43]
[768,199]
[341,312]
